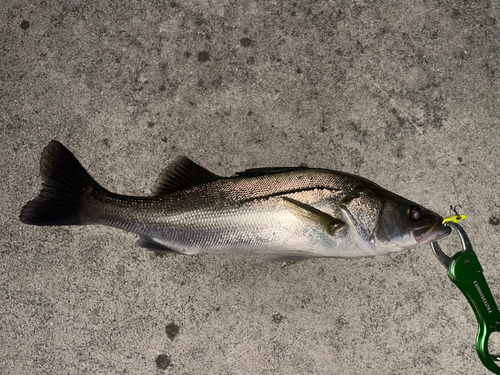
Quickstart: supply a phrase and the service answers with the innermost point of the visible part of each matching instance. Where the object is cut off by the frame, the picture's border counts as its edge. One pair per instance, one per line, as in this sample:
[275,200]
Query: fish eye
[415,213]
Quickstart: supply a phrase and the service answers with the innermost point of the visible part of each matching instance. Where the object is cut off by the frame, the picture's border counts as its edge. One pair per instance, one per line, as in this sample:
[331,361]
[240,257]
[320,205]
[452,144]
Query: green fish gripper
[466,273]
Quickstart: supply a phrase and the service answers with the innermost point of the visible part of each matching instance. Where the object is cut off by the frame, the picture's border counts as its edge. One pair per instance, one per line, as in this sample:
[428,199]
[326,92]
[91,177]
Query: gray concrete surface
[403,93]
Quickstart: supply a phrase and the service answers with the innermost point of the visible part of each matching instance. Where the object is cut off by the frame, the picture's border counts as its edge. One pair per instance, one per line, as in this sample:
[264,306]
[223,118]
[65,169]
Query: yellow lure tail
[454,218]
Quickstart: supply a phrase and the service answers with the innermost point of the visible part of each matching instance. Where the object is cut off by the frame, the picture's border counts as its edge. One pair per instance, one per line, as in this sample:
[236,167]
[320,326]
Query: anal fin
[159,249]
[282,258]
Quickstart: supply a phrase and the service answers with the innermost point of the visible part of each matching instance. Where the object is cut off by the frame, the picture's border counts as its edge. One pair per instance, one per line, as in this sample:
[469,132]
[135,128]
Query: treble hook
[454,218]
[454,209]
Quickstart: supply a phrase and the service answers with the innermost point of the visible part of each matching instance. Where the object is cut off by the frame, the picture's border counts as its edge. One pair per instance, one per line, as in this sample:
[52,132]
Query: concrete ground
[403,93]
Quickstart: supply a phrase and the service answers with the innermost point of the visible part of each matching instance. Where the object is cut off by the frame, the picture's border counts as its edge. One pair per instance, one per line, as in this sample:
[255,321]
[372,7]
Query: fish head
[383,222]
[403,224]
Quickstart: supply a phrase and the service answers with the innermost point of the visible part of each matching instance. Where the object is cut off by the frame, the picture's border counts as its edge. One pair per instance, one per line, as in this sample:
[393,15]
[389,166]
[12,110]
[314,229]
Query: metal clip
[466,273]
[445,260]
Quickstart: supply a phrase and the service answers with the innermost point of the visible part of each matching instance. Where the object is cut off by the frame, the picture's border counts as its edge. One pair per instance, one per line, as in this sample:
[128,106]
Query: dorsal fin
[255,172]
[182,174]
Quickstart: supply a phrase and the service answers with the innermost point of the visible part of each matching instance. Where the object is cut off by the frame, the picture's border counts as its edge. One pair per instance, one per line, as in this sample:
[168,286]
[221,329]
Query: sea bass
[282,213]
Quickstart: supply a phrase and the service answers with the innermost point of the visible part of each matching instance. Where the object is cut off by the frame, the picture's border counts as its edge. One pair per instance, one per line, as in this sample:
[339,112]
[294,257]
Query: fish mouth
[431,233]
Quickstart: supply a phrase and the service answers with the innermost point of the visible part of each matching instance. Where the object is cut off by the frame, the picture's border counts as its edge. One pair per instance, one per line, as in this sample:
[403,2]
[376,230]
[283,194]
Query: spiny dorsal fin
[182,174]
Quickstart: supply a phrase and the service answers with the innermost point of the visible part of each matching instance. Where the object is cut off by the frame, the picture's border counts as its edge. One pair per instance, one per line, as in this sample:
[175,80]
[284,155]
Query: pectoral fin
[317,217]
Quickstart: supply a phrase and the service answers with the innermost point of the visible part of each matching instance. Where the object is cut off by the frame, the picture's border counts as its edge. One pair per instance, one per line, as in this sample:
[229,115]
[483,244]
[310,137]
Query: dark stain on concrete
[172,330]
[203,56]
[494,220]
[25,25]
[163,362]
[246,42]
[278,318]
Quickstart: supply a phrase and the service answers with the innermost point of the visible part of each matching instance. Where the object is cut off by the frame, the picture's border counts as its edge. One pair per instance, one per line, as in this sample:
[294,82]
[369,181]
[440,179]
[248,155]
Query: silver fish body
[283,213]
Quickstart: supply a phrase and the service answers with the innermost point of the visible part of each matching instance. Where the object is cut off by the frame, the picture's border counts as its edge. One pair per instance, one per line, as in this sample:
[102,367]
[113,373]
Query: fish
[280,213]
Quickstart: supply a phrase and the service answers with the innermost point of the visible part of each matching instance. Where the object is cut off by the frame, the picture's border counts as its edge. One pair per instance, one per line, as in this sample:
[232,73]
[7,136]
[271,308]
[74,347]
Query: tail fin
[64,184]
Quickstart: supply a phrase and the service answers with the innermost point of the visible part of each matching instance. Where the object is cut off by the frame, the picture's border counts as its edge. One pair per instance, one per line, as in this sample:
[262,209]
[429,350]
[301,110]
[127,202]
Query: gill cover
[362,210]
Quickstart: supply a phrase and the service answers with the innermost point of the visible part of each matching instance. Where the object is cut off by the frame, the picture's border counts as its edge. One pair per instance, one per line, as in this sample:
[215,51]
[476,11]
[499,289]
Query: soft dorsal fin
[182,174]
[255,172]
